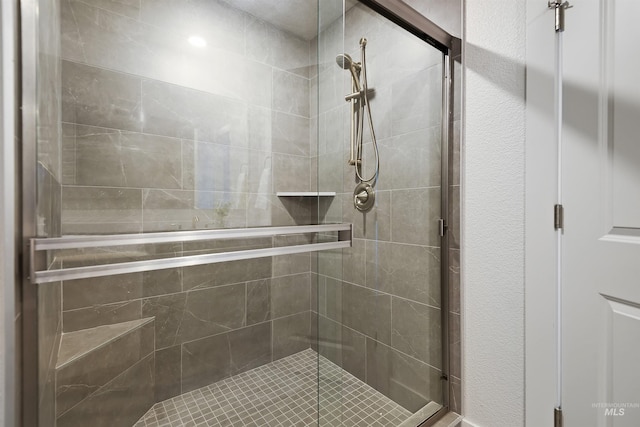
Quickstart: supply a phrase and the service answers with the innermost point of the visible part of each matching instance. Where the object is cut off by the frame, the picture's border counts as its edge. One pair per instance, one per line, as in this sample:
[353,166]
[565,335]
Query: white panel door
[601,186]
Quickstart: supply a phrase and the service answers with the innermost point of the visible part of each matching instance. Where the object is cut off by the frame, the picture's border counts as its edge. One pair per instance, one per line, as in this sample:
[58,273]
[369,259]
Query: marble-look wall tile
[205,361]
[219,23]
[417,101]
[290,93]
[405,380]
[367,311]
[49,335]
[382,105]
[258,301]
[330,263]
[457,88]
[454,217]
[290,294]
[455,402]
[454,150]
[410,160]
[354,353]
[334,127]
[374,224]
[290,173]
[48,90]
[161,282]
[158,46]
[265,43]
[285,211]
[295,263]
[328,177]
[170,210]
[211,359]
[259,128]
[454,281]
[329,336]
[168,373]
[353,263]
[101,314]
[80,378]
[454,345]
[94,210]
[110,40]
[196,314]
[223,168]
[250,347]
[181,112]
[415,214]
[128,8]
[121,402]
[98,97]
[112,158]
[290,134]
[101,290]
[417,330]
[68,154]
[291,334]
[224,273]
[407,271]
[330,298]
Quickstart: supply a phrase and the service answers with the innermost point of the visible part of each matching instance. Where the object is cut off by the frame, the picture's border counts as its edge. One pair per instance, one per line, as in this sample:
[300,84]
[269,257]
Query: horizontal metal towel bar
[101,241]
[49,276]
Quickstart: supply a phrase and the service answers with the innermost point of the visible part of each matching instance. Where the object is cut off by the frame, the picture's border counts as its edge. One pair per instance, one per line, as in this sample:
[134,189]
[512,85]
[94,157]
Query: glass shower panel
[379,303]
[178,116]
[328,267]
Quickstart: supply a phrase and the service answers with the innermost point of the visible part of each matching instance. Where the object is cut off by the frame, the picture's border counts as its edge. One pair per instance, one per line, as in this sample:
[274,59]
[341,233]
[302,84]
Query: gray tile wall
[171,136]
[379,310]
[49,177]
[159,135]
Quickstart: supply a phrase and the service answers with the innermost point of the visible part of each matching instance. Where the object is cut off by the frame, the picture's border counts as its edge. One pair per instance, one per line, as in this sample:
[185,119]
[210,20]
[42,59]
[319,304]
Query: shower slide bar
[85,272]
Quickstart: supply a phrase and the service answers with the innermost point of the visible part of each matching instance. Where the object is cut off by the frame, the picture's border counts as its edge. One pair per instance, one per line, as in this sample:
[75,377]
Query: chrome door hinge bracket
[558,217]
[442,227]
[557,417]
[559,6]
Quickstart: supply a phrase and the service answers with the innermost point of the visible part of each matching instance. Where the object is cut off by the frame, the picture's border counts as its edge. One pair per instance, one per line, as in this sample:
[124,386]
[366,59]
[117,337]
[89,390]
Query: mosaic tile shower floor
[281,393]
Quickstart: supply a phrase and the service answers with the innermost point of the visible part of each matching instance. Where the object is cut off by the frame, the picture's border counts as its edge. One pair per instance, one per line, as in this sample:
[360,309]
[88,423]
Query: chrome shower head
[345,62]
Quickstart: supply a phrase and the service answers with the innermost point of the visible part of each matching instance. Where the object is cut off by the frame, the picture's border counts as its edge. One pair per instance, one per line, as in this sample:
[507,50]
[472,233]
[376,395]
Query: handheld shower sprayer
[359,99]
[347,63]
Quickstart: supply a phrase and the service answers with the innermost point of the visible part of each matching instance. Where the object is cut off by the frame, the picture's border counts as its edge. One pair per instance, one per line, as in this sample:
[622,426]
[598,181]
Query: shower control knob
[363,197]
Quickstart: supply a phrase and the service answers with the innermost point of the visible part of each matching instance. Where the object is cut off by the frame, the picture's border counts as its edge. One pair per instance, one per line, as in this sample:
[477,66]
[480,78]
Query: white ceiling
[298,17]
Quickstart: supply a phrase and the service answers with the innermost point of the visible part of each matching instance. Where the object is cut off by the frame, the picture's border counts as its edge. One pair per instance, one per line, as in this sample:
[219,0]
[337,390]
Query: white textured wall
[493,214]
[447,14]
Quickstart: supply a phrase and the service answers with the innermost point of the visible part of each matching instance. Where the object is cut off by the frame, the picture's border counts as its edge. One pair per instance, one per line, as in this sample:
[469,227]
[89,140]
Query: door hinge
[559,7]
[558,217]
[557,417]
[442,227]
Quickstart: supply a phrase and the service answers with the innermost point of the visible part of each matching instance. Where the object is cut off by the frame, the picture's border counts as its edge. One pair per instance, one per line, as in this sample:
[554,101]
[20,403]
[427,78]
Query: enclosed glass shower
[198,255]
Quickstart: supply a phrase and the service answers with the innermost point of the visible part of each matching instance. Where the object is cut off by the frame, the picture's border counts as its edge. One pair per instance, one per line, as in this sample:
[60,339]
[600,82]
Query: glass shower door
[379,304]
[176,211]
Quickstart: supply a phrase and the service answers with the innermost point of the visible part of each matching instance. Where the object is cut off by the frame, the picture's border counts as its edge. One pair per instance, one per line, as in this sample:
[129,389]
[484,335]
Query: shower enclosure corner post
[447,134]
[29,351]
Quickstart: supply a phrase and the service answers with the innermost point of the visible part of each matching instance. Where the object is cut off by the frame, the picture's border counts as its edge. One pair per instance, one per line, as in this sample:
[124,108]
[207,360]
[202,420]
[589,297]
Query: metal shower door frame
[417,24]
[28,10]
